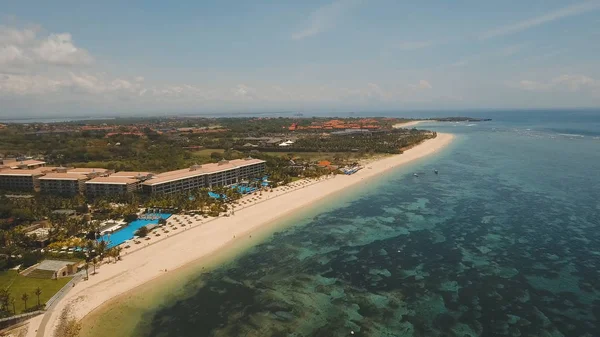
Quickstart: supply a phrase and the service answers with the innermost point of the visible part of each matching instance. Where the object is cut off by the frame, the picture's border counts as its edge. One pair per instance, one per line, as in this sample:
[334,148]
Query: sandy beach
[200,237]
[407,125]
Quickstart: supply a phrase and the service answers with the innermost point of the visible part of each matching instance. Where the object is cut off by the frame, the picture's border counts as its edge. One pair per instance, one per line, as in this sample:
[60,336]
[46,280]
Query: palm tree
[101,248]
[37,293]
[4,298]
[12,301]
[118,253]
[86,266]
[90,246]
[24,298]
[94,262]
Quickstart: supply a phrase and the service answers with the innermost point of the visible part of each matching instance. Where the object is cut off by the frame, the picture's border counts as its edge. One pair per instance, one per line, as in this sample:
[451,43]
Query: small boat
[416,175]
[436,171]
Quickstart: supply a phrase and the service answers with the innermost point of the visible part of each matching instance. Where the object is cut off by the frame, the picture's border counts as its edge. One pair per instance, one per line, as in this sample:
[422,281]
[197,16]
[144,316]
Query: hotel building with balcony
[222,173]
[62,183]
[101,186]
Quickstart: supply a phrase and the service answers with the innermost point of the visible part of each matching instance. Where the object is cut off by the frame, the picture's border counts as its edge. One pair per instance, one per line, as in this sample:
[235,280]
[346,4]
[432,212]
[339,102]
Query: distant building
[222,173]
[53,269]
[110,185]
[65,212]
[139,176]
[27,164]
[39,232]
[21,180]
[272,142]
[90,172]
[133,175]
[62,183]
[351,132]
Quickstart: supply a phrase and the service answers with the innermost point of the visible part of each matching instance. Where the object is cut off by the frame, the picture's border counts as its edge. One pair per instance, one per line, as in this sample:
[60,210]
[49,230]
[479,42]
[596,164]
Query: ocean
[504,241]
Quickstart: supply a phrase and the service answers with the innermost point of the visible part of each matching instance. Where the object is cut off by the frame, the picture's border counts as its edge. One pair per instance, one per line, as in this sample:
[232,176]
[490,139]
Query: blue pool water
[127,233]
[245,189]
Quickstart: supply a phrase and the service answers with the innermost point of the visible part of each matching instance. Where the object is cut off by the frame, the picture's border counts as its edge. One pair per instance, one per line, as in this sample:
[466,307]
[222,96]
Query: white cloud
[10,35]
[99,84]
[244,91]
[59,49]
[11,54]
[325,18]
[540,20]
[423,84]
[23,47]
[81,83]
[568,83]
[11,84]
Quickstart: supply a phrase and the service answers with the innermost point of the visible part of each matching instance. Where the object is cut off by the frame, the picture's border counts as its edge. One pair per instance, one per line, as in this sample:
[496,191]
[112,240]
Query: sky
[91,58]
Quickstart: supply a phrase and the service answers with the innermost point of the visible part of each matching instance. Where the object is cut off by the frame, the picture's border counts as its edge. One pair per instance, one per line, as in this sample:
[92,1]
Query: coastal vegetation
[14,286]
[35,226]
[166,144]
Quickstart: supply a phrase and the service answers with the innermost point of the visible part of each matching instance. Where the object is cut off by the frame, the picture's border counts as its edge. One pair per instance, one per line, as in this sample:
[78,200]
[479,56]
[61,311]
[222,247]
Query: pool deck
[127,232]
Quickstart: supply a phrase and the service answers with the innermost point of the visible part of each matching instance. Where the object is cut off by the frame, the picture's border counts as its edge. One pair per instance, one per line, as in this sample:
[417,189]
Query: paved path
[53,301]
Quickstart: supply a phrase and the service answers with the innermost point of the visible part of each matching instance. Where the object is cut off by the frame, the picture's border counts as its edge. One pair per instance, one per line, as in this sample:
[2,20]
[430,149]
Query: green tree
[130,217]
[24,298]
[118,250]
[101,249]
[94,263]
[142,232]
[4,299]
[37,293]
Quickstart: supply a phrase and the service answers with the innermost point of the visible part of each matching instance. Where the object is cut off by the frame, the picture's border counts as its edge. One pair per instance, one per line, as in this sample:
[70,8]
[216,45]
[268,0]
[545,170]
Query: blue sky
[135,57]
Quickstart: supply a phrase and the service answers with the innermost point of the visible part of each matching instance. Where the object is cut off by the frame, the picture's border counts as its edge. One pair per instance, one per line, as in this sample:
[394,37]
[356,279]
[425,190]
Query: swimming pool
[127,232]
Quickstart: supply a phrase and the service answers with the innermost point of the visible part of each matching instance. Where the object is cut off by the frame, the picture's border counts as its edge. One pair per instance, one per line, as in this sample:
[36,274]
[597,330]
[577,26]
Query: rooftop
[21,173]
[87,170]
[63,176]
[30,162]
[130,174]
[112,180]
[198,170]
[54,265]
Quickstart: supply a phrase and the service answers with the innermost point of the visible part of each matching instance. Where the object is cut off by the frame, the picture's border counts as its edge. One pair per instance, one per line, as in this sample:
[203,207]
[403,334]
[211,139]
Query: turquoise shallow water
[505,241]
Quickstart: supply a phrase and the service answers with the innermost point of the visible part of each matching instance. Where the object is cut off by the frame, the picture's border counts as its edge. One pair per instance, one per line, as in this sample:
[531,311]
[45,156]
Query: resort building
[53,269]
[27,164]
[142,176]
[90,172]
[222,173]
[22,180]
[62,183]
[100,186]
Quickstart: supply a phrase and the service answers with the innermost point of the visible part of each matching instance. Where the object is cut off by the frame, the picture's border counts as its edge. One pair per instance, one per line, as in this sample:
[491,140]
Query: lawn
[205,153]
[17,285]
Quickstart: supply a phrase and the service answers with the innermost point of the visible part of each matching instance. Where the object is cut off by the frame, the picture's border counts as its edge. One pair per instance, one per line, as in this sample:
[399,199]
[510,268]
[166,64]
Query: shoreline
[408,124]
[209,238]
